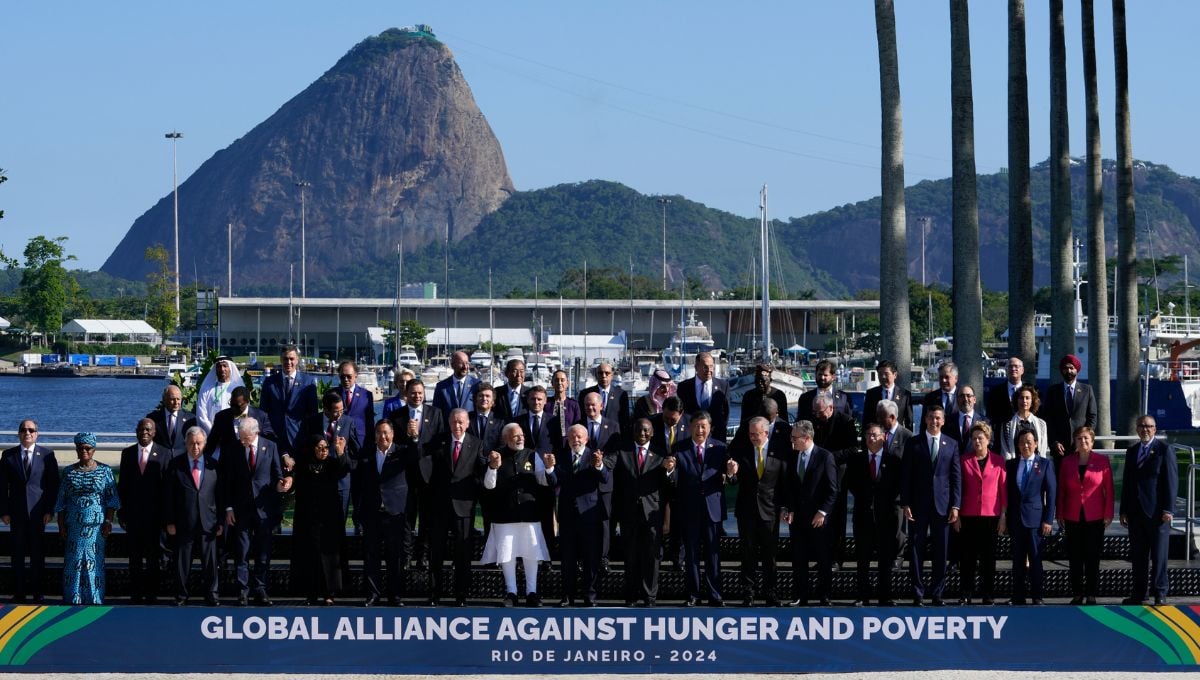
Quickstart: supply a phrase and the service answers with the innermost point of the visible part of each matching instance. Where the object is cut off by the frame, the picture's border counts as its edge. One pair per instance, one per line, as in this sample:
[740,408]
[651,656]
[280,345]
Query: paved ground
[914,675]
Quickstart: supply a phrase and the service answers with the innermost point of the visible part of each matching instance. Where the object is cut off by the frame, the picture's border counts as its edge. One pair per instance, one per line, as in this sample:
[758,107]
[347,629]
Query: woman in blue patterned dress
[87,499]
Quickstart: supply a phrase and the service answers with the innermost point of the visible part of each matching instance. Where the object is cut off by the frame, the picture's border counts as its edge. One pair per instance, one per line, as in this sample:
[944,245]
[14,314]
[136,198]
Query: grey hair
[195,431]
[889,407]
[804,428]
[249,425]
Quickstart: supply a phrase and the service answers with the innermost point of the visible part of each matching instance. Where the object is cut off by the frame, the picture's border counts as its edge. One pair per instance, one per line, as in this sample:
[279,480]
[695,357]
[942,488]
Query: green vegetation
[160,294]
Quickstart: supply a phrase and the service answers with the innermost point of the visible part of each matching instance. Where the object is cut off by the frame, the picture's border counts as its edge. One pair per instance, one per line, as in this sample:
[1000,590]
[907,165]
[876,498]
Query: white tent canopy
[95,330]
[4,323]
[472,337]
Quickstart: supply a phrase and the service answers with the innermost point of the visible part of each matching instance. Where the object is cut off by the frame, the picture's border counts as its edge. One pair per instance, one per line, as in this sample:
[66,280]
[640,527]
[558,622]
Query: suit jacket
[171,439]
[701,486]
[752,403]
[445,399]
[901,396]
[430,437]
[251,492]
[581,490]
[817,492]
[617,407]
[997,404]
[935,397]
[1094,494]
[314,426]
[33,495]
[1031,504]
[381,492]
[1059,422]
[836,435]
[983,495]
[718,407]
[609,435]
[898,441]
[760,499]
[457,485]
[660,443]
[286,410]
[1148,490]
[640,494]
[188,508]
[361,410]
[489,433]
[954,429]
[928,487]
[841,404]
[503,407]
[223,434]
[873,498]
[541,440]
[141,493]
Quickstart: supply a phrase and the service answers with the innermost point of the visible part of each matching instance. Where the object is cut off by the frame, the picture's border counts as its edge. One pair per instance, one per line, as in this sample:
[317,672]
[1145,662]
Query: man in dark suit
[642,482]
[705,392]
[191,490]
[997,403]
[454,489]
[959,429]
[888,389]
[485,422]
[510,397]
[534,421]
[1029,517]
[704,468]
[1069,405]
[671,427]
[358,404]
[171,421]
[945,396]
[603,433]
[288,396]
[614,401]
[930,489]
[251,481]
[762,391]
[140,488]
[873,476]
[380,487]
[581,479]
[28,491]
[224,432]
[834,431]
[418,432]
[762,488]
[1149,486]
[809,501]
[331,423]
[458,390]
[824,377]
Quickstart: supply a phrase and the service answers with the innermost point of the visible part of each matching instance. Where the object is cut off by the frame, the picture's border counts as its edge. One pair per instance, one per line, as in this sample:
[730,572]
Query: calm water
[76,404]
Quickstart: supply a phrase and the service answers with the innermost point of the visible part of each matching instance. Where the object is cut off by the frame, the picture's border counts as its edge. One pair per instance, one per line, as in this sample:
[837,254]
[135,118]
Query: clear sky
[700,98]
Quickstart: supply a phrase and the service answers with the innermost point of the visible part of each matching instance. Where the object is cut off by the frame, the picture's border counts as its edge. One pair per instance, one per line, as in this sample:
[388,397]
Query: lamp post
[664,202]
[175,136]
[303,246]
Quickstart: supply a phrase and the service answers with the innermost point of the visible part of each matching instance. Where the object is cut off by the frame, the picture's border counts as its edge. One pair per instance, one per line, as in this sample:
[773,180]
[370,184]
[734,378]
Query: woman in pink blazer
[983,499]
[1085,509]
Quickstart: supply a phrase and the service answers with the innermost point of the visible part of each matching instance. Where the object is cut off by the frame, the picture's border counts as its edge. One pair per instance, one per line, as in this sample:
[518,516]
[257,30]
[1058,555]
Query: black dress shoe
[918,602]
[887,603]
[1017,602]
[1160,600]
[510,600]
[824,602]
[566,602]
[180,601]
[243,600]
[433,602]
[716,603]
[987,601]
[588,602]
[692,602]
[1077,600]
[938,602]
[801,602]
[649,602]
[395,601]
[39,599]
[460,602]
[262,601]
[631,603]
[212,601]
[150,600]
[604,565]
[371,601]
[964,601]
[1037,601]
[1089,600]
[858,603]
[533,600]
[18,599]
[1133,601]
[748,602]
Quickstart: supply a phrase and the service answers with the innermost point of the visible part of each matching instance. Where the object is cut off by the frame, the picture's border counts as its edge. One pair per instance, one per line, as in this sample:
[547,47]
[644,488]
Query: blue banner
[475,640]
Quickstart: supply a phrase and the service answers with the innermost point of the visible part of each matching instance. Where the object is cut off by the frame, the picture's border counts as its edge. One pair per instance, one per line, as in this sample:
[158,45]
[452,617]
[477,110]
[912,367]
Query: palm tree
[894,322]
[1097,269]
[1020,219]
[1126,300]
[968,322]
[1062,290]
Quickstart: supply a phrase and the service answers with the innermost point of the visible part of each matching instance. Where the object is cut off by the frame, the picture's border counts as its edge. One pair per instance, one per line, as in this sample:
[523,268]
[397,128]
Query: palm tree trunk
[895,337]
[1062,291]
[1127,396]
[968,322]
[1021,341]
[1097,276]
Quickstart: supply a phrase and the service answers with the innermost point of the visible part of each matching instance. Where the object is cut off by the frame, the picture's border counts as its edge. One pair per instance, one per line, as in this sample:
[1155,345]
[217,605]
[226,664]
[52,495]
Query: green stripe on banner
[1165,630]
[29,627]
[58,630]
[1134,629]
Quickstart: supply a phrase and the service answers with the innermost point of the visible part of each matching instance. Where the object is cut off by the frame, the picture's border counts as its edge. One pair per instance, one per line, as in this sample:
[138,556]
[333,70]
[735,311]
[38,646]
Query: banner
[664,640]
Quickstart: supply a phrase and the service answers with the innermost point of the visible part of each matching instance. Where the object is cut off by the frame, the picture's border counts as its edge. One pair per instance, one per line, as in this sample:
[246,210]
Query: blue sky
[704,99]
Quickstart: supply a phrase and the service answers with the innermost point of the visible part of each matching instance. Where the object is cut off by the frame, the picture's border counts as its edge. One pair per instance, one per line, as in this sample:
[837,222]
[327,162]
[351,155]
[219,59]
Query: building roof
[4,323]
[109,327]
[463,337]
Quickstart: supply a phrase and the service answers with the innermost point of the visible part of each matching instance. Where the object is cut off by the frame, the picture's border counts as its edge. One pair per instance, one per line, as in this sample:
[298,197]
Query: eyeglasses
[32,430]
[346,376]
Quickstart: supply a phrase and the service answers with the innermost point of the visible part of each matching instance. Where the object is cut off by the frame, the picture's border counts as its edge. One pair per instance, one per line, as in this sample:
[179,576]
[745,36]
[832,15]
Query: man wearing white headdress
[215,391]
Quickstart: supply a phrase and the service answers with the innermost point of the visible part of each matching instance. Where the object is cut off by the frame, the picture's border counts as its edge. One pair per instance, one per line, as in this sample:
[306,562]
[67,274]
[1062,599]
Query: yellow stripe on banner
[1181,624]
[15,619]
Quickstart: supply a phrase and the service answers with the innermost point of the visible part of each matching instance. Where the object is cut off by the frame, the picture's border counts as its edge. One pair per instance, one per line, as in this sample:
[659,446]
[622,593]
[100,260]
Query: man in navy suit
[252,479]
[873,476]
[458,390]
[380,485]
[946,395]
[486,423]
[889,390]
[762,491]
[614,401]
[998,400]
[671,427]
[753,400]
[510,397]
[1149,487]
[358,403]
[288,396]
[191,490]
[824,377]
[224,432]
[140,488]
[813,490]
[454,488]
[603,433]
[417,432]
[582,479]
[1069,405]
[707,393]
[642,481]
[534,421]
[704,468]
[171,421]
[1029,516]
[28,492]
[930,489]
[959,429]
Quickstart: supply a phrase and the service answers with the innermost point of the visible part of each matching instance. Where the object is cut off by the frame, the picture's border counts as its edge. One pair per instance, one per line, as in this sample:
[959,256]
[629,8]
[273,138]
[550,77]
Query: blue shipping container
[129,362]
[106,360]
[79,359]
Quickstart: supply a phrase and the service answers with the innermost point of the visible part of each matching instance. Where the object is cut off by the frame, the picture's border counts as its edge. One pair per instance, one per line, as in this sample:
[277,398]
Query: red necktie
[142,461]
[251,456]
[966,424]
[700,455]
[457,448]
[641,457]
[349,395]
[196,473]
[873,472]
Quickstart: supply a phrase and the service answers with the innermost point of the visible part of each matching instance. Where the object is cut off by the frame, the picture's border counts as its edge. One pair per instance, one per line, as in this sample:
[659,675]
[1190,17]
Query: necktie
[142,460]
[171,427]
[966,425]
[514,400]
[801,468]
[537,424]
[933,449]
[251,456]
[290,382]
[874,472]
[480,424]
[577,460]
[603,400]
[595,431]
[329,432]
[458,393]
[457,449]
[349,396]
[671,437]
[641,458]
[700,455]
[706,396]
[1025,477]
[758,454]
[1070,399]
[416,416]
[946,401]
[1143,454]
[196,473]
[888,440]
[28,466]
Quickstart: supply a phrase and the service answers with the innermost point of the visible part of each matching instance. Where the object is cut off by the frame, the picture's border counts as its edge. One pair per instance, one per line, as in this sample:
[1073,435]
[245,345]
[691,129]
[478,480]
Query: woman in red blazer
[983,499]
[1085,509]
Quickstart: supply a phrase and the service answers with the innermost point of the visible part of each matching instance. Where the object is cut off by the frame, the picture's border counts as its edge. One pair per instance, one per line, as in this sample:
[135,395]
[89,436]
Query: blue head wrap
[86,438]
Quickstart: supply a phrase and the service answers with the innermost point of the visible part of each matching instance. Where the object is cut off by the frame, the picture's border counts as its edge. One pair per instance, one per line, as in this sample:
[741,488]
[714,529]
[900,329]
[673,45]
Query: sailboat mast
[766,278]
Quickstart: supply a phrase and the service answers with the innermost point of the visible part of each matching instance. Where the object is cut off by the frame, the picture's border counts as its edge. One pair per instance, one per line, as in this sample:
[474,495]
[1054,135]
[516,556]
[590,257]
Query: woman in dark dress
[320,525]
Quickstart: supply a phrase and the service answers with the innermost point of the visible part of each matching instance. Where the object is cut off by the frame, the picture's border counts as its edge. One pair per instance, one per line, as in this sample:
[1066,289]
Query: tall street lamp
[303,252]
[664,202]
[175,136]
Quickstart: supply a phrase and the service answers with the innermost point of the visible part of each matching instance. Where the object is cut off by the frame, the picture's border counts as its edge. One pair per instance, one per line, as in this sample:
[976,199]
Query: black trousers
[1148,545]
[145,555]
[1085,540]
[877,535]
[1026,545]
[937,529]
[28,541]
[580,546]
[760,539]
[700,533]
[250,537]
[384,538]
[641,539]
[460,530]
[977,549]
[810,545]
[189,543]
